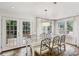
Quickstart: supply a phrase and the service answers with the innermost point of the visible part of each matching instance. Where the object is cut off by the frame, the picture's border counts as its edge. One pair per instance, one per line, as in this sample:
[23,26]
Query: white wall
[0,33]
[53,27]
[39,27]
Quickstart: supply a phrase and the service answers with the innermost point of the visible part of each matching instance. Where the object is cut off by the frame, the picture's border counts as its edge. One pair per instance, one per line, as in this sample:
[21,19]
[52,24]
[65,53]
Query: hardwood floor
[70,51]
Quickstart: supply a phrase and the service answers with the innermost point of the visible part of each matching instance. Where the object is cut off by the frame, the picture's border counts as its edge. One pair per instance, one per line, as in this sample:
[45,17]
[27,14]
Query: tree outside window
[61,26]
[69,26]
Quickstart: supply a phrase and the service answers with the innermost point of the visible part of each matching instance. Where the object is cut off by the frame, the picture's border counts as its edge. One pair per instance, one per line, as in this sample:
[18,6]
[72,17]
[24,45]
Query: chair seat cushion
[37,50]
[55,46]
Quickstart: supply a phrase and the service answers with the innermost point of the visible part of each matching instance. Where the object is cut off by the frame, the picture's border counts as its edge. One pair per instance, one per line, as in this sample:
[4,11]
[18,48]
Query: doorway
[10,33]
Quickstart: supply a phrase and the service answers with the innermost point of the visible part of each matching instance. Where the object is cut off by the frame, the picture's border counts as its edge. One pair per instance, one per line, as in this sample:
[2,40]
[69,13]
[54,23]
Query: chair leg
[64,47]
[60,48]
[40,53]
[58,51]
[53,52]
[49,52]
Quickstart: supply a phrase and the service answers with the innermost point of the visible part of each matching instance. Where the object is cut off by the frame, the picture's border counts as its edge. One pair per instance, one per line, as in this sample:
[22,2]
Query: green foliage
[10,22]
[70,25]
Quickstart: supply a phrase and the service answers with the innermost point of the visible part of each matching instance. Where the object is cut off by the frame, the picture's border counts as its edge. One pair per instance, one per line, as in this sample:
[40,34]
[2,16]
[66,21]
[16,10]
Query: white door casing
[15,40]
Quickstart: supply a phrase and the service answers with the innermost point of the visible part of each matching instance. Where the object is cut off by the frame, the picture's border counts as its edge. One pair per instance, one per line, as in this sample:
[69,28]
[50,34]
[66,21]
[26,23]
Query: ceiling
[37,9]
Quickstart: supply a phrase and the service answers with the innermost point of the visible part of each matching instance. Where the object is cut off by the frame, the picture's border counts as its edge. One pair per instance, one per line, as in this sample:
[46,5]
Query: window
[65,27]
[61,26]
[47,28]
[11,29]
[69,26]
[26,28]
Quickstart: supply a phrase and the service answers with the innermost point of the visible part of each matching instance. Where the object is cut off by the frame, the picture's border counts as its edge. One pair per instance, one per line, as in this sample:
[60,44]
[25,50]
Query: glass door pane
[11,32]
[25,31]
[61,27]
[69,32]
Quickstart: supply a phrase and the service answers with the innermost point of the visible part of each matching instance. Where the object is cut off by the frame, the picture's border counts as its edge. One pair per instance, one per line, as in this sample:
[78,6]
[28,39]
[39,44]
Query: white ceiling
[36,9]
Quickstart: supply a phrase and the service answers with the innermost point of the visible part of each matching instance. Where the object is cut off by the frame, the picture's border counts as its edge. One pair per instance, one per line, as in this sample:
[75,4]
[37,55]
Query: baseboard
[12,49]
[72,44]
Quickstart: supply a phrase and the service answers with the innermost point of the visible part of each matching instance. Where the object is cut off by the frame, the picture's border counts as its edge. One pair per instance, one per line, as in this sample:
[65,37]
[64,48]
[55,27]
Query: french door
[25,30]
[10,33]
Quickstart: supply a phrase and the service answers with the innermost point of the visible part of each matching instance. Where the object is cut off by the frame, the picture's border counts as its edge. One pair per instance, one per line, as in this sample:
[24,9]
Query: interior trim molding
[12,49]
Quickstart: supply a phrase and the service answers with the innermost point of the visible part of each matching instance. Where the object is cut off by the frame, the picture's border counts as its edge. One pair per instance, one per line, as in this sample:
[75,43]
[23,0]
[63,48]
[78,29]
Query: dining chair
[44,50]
[28,50]
[55,45]
[62,42]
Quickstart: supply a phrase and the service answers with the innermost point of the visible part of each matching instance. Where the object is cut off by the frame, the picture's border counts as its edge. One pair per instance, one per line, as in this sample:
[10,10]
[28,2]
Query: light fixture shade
[46,24]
